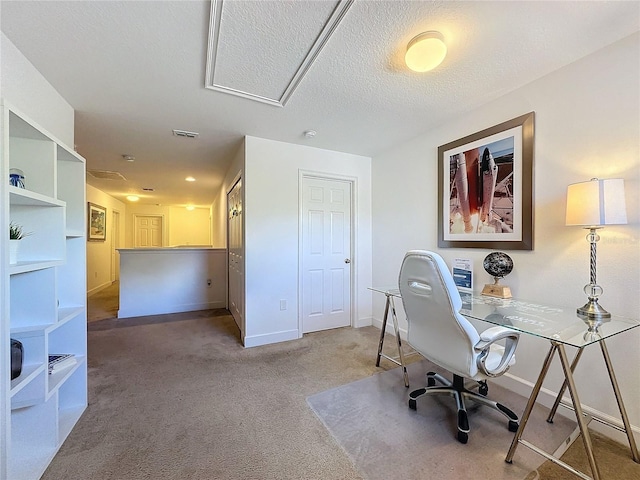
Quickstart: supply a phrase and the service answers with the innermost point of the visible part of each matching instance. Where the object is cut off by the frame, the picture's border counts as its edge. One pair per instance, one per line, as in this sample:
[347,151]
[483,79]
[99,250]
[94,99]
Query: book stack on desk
[59,362]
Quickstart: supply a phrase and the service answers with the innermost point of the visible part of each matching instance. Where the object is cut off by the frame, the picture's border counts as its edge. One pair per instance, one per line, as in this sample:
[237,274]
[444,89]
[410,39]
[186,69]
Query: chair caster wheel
[463,437]
[412,404]
[513,426]
[483,389]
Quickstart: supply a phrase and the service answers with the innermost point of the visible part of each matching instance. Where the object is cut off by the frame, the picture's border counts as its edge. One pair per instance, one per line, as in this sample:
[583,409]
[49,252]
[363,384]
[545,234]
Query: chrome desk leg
[552,413]
[586,438]
[623,412]
[399,340]
[384,328]
[530,403]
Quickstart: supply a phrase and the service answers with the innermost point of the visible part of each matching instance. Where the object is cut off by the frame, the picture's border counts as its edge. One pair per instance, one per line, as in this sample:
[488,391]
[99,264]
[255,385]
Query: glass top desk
[561,326]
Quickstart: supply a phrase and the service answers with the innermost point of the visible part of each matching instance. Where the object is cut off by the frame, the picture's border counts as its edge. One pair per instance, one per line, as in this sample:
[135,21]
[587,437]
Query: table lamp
[593,204]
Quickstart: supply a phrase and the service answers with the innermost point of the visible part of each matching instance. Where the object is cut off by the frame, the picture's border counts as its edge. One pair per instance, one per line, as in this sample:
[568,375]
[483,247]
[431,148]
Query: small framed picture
[97,223]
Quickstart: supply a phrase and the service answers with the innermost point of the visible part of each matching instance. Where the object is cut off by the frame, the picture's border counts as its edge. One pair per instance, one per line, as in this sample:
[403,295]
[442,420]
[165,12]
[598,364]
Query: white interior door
[235,252]
[148,231]
[326,254]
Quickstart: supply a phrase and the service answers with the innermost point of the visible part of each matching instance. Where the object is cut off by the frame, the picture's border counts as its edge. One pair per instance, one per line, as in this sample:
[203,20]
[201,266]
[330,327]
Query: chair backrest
[432,303]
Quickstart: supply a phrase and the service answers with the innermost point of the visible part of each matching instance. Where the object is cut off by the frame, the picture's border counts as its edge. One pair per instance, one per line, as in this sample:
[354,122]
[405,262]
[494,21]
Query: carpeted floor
[372,422]
[178,397]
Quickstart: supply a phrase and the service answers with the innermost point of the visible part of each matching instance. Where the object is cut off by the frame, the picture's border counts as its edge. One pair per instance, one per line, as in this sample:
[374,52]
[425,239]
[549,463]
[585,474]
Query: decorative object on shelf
[16,178]
[485,190]
[17,357]
[97,223]
[61,361]
[16,234]
[593,204]
[498,265]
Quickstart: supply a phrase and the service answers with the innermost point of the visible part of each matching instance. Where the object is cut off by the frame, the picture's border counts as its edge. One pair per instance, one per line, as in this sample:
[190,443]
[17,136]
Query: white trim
[269,338]
[187,307]
[327,30]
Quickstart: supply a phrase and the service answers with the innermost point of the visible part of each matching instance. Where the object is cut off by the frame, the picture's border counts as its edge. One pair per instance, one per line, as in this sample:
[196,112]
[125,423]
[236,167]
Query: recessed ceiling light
[190,179]
[133,198]
[310,133]
[129,158]
[190,207]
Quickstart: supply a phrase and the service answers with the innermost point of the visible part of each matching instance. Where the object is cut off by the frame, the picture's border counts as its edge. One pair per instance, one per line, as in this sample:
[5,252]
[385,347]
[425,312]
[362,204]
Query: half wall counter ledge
[155,281]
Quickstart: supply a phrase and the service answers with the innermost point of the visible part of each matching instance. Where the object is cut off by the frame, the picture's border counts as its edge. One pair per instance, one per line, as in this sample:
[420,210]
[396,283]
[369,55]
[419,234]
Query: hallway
[104,304]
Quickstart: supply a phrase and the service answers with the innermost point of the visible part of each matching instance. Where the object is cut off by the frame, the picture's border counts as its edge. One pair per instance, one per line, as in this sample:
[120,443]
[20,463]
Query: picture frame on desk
[97,223]
[485,188]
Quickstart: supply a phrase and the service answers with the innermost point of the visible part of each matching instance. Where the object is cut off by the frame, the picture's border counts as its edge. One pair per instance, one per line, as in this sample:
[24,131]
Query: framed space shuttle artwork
[485,191]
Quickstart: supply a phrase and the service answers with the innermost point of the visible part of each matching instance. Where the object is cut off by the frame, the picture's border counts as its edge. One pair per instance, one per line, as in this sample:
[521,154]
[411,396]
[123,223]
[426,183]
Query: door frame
[164,227]
[353,282]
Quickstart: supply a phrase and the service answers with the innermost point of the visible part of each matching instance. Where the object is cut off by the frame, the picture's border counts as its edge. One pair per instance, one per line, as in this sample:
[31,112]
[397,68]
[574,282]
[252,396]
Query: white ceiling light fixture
[190,207]
[310,133]
[133,198]
[129,158]
[190,179]
[425,51]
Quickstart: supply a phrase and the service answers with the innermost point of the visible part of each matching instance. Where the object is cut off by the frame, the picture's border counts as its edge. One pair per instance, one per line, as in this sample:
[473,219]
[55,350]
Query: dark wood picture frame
[485,188]
[96,223]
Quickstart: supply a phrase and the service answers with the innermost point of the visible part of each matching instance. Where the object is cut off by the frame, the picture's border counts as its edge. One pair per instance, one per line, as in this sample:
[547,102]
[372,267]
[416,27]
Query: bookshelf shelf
[44,293]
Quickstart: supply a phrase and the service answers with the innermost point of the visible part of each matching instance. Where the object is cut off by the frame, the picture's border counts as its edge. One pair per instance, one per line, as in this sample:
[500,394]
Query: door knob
[346,260]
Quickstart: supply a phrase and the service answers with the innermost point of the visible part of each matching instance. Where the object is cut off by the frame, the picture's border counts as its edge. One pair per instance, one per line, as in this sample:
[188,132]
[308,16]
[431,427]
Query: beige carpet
[178,397]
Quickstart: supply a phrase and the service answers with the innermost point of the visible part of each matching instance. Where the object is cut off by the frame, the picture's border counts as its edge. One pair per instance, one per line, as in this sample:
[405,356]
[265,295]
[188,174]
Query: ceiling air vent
[105,175]
[184,133]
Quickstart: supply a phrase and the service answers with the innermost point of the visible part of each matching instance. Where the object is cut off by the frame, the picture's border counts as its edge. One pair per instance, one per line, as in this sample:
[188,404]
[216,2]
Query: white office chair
[441,334]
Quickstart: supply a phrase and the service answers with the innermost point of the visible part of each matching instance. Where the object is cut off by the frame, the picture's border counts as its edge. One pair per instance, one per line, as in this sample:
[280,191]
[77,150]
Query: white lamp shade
[425,51]
[596,202]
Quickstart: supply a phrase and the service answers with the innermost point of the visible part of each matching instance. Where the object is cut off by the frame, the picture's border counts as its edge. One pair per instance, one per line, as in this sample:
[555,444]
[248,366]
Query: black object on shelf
[17,356]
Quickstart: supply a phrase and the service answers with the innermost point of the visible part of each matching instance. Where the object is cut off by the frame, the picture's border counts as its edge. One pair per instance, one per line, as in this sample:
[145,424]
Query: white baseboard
[547,398]
[99,288]
[266,339]
[364,322]
[162,309]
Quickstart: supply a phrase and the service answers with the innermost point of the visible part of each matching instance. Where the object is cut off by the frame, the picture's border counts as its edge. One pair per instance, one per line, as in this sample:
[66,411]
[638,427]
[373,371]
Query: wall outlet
[283,304]
[208,282]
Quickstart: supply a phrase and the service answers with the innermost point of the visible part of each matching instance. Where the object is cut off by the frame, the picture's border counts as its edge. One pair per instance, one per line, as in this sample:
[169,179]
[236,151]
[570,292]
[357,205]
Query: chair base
[458,391]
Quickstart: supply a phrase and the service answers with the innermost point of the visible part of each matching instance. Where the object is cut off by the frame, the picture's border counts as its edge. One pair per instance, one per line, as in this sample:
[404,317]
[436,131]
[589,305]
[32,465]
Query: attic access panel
[262,50]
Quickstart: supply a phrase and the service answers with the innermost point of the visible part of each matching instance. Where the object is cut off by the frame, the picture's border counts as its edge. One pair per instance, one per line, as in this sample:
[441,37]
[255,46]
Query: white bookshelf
[43,295]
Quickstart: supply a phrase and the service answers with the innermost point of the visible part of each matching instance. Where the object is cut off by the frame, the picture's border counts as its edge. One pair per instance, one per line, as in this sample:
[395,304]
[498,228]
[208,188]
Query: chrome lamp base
[593,311]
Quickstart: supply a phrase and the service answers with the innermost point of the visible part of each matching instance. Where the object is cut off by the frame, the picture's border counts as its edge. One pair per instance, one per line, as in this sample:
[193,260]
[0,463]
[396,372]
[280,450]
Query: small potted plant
[16,233]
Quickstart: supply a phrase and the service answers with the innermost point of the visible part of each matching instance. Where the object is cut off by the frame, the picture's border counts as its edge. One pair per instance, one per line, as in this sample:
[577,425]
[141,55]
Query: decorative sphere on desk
[498,264]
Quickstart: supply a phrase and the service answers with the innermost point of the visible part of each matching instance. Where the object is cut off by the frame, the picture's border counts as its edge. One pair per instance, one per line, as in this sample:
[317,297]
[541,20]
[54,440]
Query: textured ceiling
[134,71]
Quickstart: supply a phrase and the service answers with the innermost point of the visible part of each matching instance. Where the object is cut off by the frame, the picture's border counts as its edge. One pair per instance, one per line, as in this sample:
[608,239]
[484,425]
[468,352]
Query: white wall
[32,94]
[158,281]
[219,206]
[189,227]
[587,125]
[99,253]
[271,234]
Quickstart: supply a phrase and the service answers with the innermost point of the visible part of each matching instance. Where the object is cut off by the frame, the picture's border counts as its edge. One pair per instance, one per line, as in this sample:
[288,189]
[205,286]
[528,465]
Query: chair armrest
[491,336]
